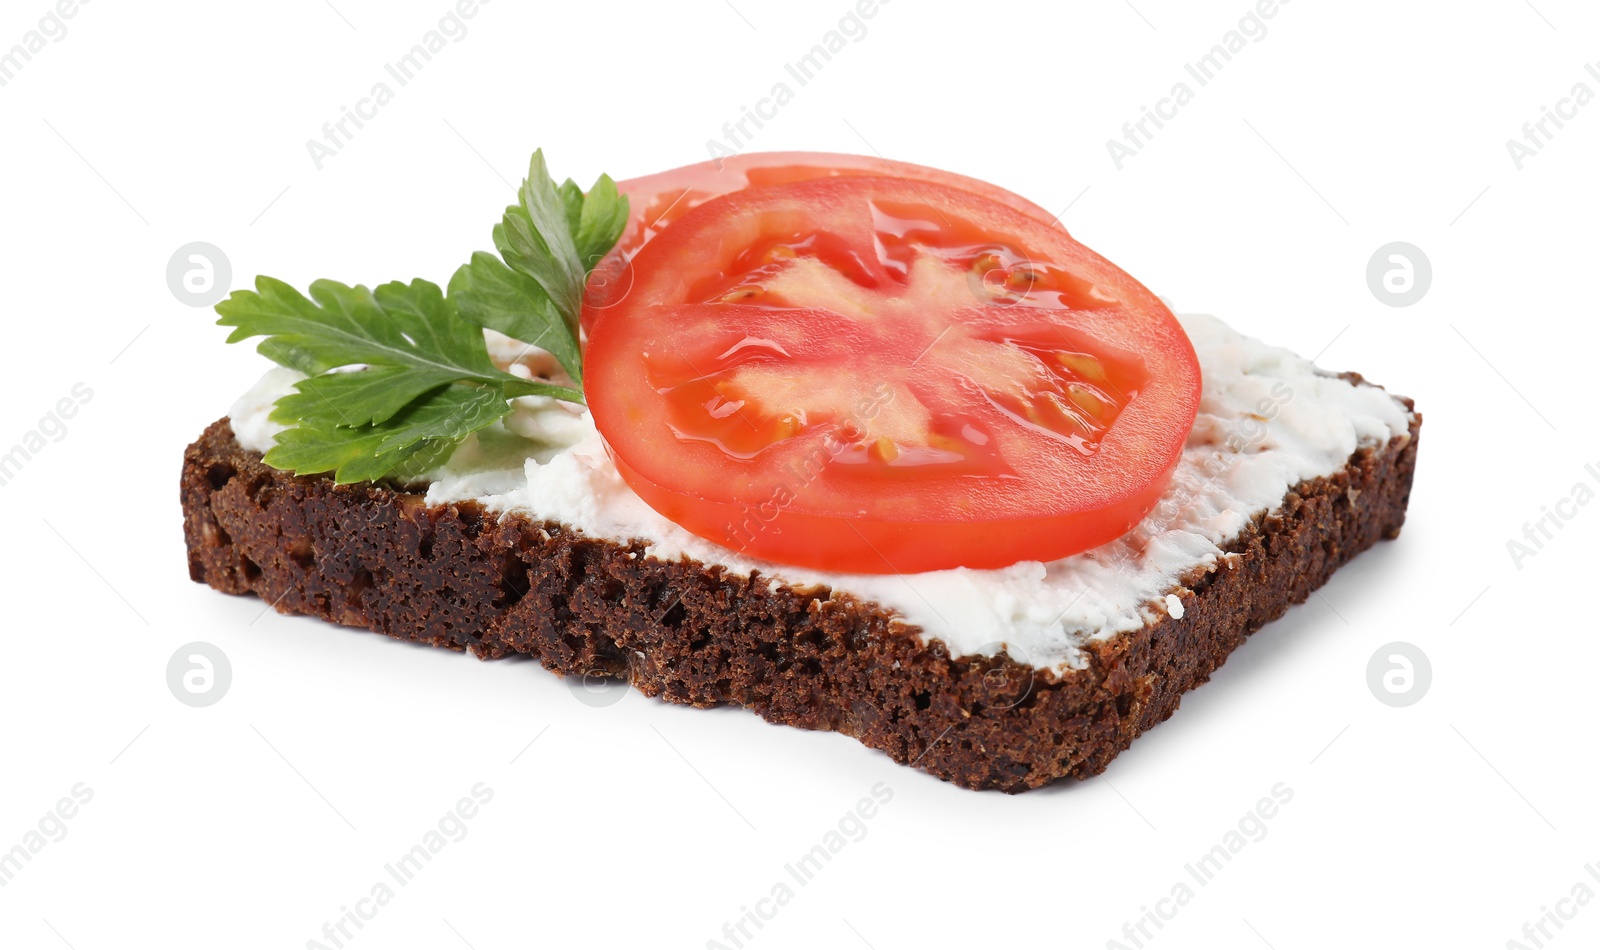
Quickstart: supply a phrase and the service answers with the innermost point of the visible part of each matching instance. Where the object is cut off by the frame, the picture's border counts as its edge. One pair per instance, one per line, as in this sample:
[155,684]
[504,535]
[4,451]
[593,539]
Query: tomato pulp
[878,375]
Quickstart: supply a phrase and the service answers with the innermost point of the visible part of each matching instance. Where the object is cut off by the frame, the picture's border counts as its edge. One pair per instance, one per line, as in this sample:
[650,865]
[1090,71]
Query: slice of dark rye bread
[455,576]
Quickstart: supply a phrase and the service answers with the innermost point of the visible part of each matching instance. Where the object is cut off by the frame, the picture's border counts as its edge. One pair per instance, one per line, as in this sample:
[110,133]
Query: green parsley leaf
[603,215]
[399,375]
[516,299]
[407,325]
[535,239]
[363,453]
[359,397]
[490,294]
[535,387]
[572,202]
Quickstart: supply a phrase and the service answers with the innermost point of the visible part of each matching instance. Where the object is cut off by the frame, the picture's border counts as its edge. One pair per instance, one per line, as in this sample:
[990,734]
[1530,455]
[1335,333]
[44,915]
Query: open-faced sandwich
[858,445]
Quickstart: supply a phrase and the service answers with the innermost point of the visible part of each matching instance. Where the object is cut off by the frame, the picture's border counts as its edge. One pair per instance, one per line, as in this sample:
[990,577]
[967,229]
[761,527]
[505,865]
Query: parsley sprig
[397,376]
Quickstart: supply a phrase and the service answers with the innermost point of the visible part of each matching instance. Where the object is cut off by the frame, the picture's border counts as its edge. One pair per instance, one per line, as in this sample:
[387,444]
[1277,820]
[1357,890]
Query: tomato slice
[655,201]
[874,375]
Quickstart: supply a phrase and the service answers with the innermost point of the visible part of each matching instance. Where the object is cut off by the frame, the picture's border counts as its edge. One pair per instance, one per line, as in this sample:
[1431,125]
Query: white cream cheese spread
[1268,420]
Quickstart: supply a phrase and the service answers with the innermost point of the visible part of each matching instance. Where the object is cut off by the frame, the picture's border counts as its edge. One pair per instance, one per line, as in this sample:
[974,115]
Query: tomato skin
[655,201]
[671,366]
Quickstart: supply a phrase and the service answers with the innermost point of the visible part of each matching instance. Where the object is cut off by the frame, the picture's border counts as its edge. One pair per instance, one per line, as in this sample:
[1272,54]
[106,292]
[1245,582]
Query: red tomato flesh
[655,201]
[874,375]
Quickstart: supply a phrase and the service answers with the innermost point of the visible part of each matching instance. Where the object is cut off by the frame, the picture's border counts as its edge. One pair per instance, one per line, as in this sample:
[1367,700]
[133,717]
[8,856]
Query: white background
[251,822]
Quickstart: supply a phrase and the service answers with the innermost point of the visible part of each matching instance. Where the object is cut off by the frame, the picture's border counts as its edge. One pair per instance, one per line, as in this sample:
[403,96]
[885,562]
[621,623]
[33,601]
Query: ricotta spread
[1267,421]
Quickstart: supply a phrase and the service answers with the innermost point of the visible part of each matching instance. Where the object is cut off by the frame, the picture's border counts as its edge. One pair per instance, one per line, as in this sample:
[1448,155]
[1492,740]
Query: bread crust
[455,576]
